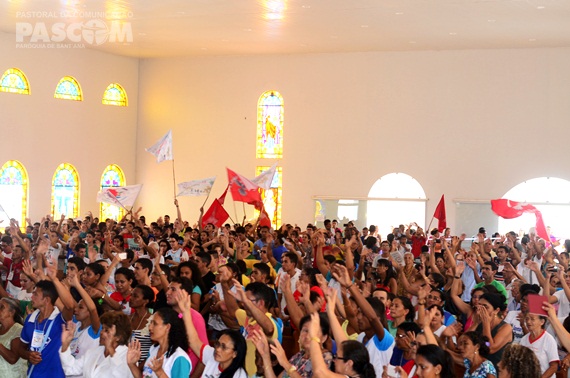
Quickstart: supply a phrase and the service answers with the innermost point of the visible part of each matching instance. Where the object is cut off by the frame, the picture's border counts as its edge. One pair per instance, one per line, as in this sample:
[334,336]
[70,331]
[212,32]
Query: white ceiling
[169,28]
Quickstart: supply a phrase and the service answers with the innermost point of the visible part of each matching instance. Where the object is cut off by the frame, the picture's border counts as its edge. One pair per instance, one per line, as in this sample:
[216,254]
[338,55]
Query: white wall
[42,132]
[470,124]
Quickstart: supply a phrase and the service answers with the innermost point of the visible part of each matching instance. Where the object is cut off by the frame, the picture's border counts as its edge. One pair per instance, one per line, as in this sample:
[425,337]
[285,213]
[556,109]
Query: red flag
[244,190]
[439,214]
[511,209]
[216,215]
[222,198]
[264,218]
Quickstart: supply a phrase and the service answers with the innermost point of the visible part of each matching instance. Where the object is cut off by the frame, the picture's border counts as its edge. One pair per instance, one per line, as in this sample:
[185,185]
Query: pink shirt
[200,326]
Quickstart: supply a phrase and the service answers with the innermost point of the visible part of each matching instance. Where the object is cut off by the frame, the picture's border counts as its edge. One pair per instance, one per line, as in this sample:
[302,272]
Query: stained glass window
[65,192]
[115,95]
[68,89]
[272,196]
[270,112]
[14,189]
[14,81]
[112,176]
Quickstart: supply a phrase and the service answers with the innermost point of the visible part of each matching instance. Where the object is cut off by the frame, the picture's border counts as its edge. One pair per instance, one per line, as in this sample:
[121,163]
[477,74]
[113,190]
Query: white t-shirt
[563,304]
[294,281]
[380,351]
[167,363]
[215,321]
[544,348]
[512,319]
[212,367]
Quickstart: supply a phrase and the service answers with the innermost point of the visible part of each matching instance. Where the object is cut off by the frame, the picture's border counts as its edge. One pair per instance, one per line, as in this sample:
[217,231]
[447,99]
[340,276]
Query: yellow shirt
[249,325]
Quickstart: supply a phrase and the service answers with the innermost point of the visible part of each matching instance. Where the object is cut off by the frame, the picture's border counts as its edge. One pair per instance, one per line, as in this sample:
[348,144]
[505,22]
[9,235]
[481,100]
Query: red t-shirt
[417,243]
[15,270]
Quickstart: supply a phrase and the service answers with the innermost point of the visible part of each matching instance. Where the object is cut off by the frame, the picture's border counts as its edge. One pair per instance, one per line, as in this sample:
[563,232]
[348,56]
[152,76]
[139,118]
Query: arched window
[115,95]
[14,81]
[68,89]
[14,189]
[272,197]
[551,196]
[112,176]
[399,199]
[65,192]
[270,112]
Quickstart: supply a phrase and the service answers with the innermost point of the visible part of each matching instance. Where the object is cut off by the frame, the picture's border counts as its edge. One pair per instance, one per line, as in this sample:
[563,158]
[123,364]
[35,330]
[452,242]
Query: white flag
[122,196]
[163,148]
[265,178]
[196,187]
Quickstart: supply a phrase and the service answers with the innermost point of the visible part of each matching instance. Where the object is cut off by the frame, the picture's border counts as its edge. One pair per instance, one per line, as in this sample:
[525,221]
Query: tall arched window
[14,189]
[551,196]
[272,197]
[68,89]
[14,81]
[399,199]
[65,192]
[270,111]
[115,95]
[112,176]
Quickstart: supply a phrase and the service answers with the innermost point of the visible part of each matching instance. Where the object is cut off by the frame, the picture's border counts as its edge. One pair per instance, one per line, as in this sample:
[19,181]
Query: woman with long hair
[472,346]
[168,356]
[11,365]
[401,310]
[432,362]
[227,358]
[385,276]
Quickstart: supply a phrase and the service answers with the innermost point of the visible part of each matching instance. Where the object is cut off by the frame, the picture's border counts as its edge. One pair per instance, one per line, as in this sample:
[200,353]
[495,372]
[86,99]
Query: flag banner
[216,215]
[264,218]
[243,190]
[508,209]
[265,178]
[222,198]
[162,149]
[196,187]
[439,214]
[122,196]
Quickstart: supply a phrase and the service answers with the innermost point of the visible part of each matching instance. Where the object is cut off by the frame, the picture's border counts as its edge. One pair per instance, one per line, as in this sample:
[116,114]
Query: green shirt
[499,286]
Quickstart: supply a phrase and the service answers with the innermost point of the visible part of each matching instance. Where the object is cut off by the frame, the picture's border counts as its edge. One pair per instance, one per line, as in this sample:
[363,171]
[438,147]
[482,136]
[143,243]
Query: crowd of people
[85,298]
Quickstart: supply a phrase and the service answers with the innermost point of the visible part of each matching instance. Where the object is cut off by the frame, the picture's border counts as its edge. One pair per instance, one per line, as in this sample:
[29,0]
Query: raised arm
[185,305]
[95,322]
[295,312]
[341,275]
[265,323]
[337,331]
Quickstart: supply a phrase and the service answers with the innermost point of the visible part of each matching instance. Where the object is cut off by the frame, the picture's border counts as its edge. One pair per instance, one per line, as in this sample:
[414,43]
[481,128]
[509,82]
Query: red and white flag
[196,187]
[264,219]
[216,215]
[163,148]
[511,209]
[243,190]
[120,196]
[439,214]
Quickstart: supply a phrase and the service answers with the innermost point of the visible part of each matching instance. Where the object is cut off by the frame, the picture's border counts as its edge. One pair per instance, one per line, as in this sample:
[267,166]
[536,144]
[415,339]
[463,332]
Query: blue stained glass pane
[64,178]
[13,81]
[67,88]
[63,199]
[111,179]
[11,176]
[271,101]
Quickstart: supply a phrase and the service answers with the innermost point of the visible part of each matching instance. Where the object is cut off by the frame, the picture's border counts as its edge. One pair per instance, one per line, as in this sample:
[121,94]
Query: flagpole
[235,211]
[244,215]
[206,200]
[174,178]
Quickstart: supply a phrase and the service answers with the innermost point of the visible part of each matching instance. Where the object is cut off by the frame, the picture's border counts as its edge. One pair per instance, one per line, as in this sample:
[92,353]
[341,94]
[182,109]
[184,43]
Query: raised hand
[67,332]
[134,352]
[278,351]
[340,273]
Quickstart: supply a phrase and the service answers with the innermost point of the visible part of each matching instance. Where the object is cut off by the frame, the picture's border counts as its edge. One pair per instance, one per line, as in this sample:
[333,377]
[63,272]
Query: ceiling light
[399,13]
[363,26]
[540,7]
[412,42]
[305,6]
[532,39]
[491,20]
[452,33]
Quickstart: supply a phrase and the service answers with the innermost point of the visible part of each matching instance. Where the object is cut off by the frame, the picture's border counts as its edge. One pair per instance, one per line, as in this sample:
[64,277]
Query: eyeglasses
[223,347]
[341,358]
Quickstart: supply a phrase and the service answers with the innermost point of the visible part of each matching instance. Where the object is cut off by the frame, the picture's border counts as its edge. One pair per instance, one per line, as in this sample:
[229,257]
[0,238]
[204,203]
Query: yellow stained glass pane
[65,192]
[115,95]
[68,89]
[14,189]
[14,81]
[272,197]
[112,176]
[270,111]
